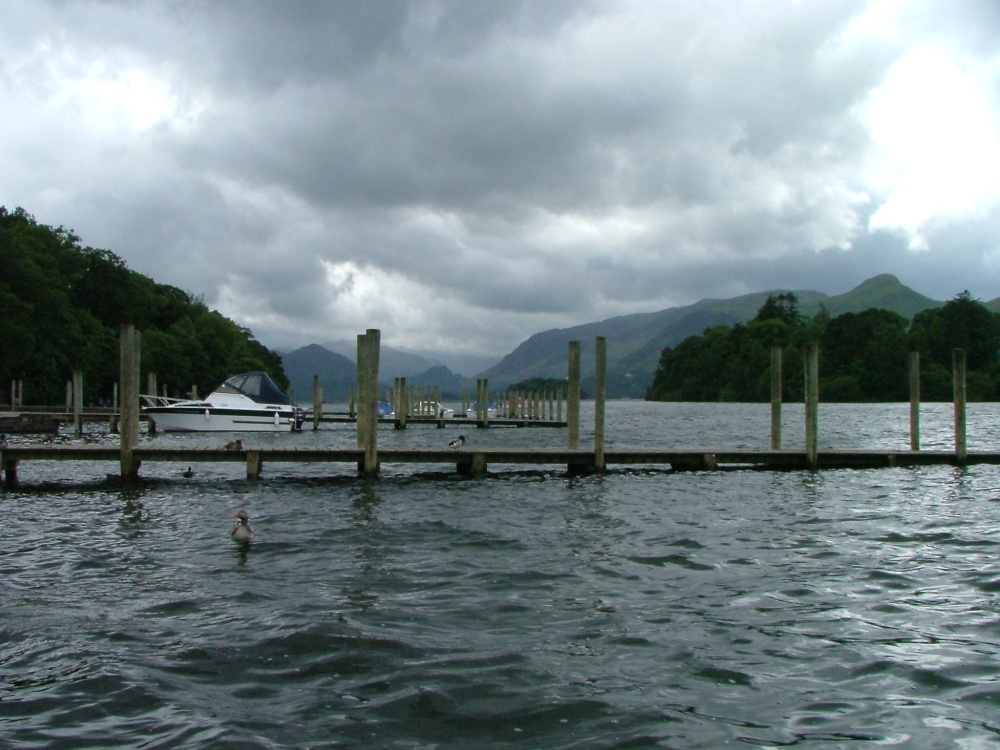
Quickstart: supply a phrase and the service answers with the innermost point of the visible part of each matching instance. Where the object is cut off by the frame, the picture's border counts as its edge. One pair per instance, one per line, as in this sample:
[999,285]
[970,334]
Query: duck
[235,445]
[188,474]
[457,442]
[242,531]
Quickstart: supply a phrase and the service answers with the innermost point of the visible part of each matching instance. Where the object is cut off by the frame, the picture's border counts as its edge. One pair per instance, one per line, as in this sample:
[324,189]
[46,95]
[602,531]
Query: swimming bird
[242,531]
[457,442]
[188,474]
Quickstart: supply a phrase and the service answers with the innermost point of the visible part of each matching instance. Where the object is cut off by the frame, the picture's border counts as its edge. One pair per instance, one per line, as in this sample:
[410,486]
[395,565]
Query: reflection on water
[529,609]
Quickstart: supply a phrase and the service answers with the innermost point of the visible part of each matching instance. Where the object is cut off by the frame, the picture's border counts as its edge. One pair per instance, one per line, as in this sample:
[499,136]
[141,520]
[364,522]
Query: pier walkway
[476,462]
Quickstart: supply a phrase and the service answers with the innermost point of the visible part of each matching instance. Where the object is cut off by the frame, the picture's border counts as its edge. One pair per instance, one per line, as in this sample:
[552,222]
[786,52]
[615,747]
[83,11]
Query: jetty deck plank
[680,459]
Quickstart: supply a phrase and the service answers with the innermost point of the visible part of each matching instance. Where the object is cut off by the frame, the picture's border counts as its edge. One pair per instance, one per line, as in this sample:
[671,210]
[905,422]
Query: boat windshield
[259,387]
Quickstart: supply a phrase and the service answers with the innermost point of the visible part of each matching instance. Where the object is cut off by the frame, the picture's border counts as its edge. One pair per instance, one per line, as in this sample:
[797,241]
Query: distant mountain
[402,363]
[634,344]
[337,374]
[635,341]
[452,386]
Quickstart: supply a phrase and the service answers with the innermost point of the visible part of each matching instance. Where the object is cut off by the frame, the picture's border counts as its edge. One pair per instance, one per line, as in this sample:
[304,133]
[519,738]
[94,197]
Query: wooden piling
[812,404]
[317,402]
[129,377]
[573,397]
[914,401]
[254,465]
[367,421]
[958,378]
[776,398]
[78,402]
[600,371]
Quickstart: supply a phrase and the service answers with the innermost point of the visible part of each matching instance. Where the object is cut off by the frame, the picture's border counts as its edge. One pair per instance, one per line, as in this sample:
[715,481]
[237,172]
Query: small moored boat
[250,402]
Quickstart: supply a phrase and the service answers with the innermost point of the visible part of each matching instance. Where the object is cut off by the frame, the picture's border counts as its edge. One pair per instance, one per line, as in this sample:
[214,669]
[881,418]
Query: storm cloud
[464,174]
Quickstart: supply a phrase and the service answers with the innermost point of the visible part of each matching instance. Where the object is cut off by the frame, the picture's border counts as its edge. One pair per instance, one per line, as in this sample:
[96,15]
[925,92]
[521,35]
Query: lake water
[526,609]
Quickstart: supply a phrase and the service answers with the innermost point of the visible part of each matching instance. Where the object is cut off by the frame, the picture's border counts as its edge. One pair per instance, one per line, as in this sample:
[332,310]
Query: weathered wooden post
[958,365]
[812,404]
[254,465]
[559,403]
[78,402]
[485,402]
[600,370]
[573,396]
[317,402]
[116,417]
[914,401]
[151,391]
[69,395]
[776,398]
[368,356]
[129,424]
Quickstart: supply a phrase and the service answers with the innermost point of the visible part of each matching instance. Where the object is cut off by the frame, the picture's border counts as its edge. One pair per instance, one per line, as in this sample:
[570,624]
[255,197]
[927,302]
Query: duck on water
[242,531]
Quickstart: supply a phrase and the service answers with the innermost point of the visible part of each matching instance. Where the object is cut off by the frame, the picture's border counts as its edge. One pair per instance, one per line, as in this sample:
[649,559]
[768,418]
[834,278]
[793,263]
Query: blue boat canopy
[258,386]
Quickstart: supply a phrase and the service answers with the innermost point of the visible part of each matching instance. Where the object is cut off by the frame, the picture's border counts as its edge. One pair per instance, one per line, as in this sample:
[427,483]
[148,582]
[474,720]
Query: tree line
[864,357]
[62,306]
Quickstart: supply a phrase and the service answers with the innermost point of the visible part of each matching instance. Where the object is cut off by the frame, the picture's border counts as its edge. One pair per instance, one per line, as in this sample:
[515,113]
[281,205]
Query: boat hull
[176,419]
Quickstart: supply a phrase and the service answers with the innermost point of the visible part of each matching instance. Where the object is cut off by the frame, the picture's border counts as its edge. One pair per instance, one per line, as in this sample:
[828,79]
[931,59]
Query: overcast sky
[464,173]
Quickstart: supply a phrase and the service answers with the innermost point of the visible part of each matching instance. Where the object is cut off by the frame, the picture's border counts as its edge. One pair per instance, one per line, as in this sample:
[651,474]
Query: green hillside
[635,341]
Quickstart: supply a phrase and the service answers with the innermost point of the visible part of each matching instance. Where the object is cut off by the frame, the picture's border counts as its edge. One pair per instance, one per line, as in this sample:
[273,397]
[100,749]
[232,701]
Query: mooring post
[600,370]
[254,465]
[78,402]
[914,401]
[368,356]
[351,412]
[116,416]
[812,404]
[958,364]
[151,383]
[129,425]
[573,396]
[486,403]
[776,398]
[317,402]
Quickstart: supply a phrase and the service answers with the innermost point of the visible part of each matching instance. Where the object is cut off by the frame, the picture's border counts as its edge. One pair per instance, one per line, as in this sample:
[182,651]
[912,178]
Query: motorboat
[473,411]
[385,410]
[431,409]
[250,402]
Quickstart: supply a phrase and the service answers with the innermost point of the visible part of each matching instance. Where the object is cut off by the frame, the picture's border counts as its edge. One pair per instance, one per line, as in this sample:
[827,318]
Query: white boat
[250,402]
[491,410]
[431,409]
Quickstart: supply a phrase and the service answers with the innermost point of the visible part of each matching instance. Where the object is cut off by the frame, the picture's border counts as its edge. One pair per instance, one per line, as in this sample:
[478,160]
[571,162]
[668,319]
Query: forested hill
[61,308]
[864,356]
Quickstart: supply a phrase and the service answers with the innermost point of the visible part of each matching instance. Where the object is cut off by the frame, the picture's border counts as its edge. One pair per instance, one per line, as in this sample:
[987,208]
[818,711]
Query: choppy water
[522,610]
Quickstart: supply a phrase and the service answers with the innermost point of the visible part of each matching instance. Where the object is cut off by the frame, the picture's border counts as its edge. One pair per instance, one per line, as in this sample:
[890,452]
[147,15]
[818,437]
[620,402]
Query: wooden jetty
[368,457]
[576,461]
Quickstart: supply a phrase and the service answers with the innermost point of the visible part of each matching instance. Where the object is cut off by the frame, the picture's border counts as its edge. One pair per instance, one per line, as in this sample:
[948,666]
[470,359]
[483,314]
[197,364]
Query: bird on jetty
[188,474]
[235,445]
[242,531]
[457,442]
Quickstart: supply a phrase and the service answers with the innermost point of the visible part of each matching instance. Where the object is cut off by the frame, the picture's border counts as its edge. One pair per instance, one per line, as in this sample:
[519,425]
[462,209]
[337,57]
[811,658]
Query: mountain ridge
[635,341]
